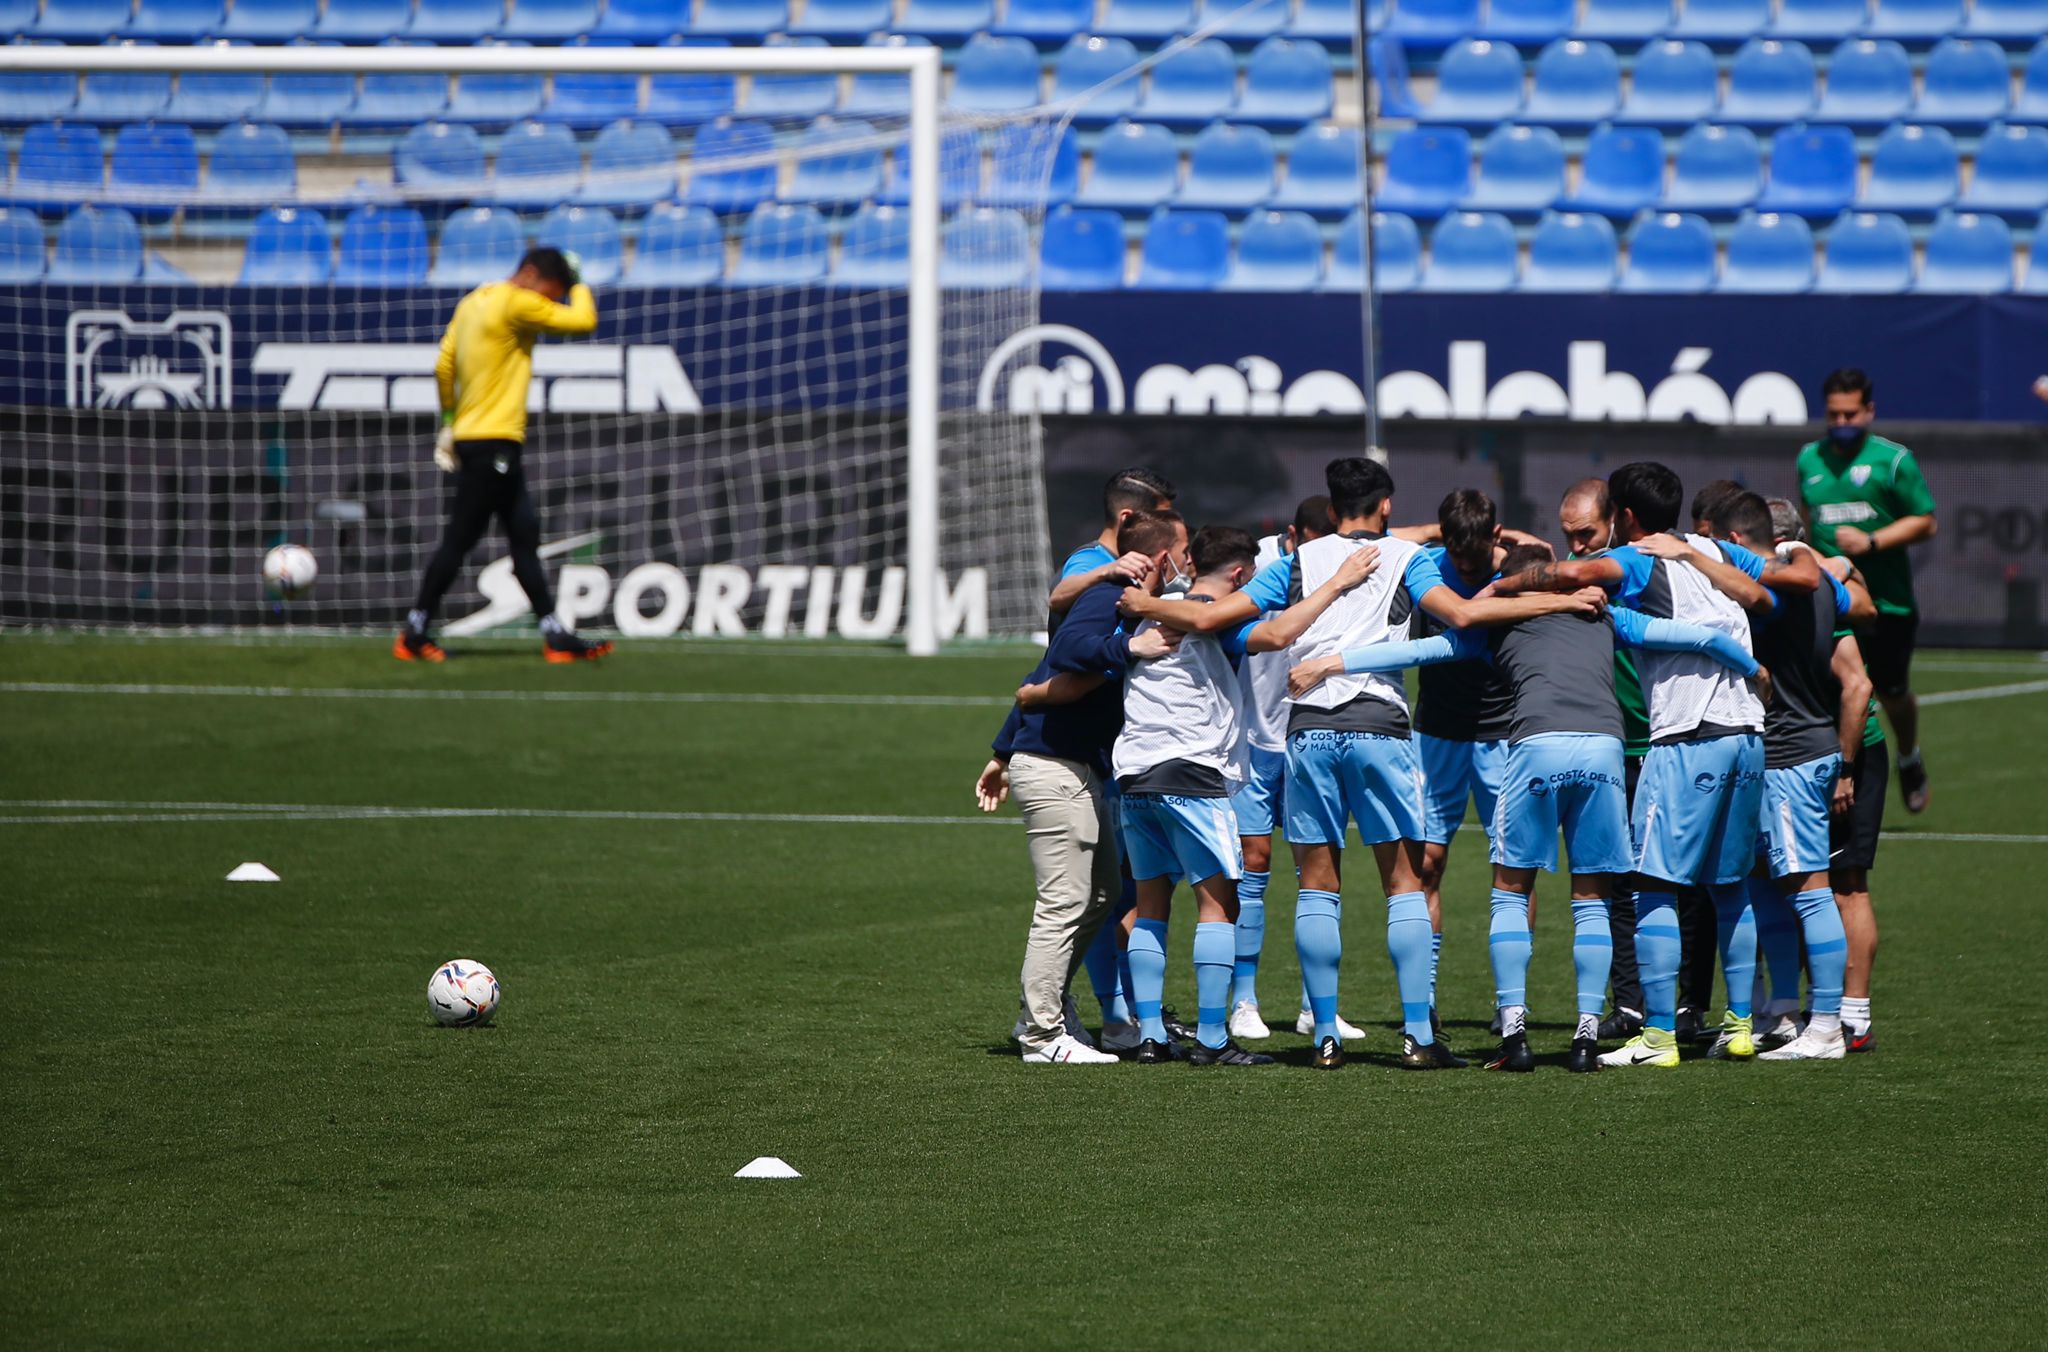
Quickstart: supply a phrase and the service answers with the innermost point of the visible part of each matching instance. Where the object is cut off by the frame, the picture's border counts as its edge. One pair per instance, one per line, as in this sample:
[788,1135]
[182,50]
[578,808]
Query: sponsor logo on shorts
[1708,782]
[1542,786]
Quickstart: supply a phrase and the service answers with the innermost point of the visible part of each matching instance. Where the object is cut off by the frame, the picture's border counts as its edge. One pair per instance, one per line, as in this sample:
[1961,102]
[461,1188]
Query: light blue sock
[1408,946]
[1827,947]
[1436,953]
[1306,1004]
[1319,943]
[1251,935]
[1508,943]
[1735,921]
[1657,957]
[1215,945]
[1592,953]
[1103,975]
[1148,976]
[1777,937]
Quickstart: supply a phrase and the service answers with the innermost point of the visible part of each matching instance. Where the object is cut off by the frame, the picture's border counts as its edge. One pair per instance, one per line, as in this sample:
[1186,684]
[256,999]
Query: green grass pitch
[228,1120]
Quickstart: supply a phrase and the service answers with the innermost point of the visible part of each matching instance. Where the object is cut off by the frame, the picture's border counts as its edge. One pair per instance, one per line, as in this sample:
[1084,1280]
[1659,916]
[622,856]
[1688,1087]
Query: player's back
[1796,642]
[1374,611]
[1458,701]
[1560,669]
[1262,678]
[1184,708]
[1689,695]
[493,364]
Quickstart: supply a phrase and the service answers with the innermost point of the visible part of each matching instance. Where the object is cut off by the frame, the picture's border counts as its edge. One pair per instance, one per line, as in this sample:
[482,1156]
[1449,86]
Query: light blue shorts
[1564,781]
[1698,805]
[1181,838]
[1797,800]
[1453,771]
[1337,777]
[1262,797]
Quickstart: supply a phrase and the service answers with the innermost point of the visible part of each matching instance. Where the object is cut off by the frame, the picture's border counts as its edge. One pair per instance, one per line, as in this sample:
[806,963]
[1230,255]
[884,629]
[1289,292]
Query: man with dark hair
[483,371]
[1710,498]
[1867,501]
[1136,489]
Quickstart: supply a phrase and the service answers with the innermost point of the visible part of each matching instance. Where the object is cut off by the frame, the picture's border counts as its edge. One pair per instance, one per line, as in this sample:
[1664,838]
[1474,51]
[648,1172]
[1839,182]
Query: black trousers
[1699,937]
[491,483]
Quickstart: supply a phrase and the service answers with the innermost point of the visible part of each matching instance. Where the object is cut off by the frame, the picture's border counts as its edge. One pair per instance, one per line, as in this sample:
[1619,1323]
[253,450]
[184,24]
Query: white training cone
[253,873]
[767,1166]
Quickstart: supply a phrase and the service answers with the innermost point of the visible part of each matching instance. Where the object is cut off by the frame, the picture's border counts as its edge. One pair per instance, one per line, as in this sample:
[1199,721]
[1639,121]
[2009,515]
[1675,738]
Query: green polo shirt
[1869,490]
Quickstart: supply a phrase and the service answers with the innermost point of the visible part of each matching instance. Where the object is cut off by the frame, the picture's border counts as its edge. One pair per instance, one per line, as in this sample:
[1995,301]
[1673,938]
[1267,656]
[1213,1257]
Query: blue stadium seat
[1478,84]
[1389,74]
[1813,171]
[59,164]
[1577,84]
[2031,105]
[1625,20]
[1019,172]
[590,232]
[1137,166]
[1277,251]
[445,159]
[874,249]
[686,100]
[2008,21]
[455,21]
[1915,21]
[881,95]
[36,96]
[1257,21]
[679,246]
[1286,83]
[792,98]
[1431,24]
[832,172]
[1082,251]
[995,75]
[729,191]
[1184,251]
[210,98]
[1429,171]
[1769,254]
[754,19]
[539,166]
[1674,85]
[1770,83]
[183,21]
[362,21]
[984,248]
[251,164]
[632,167]
[1868,253]
[2010,176]
[1528,23]
[1325,172]
[1967,83]
[1669,252]
[1230,168]
[2035,283]
[1915,172]
[1396,257]
[1819,20]
[783,245]
[1333,21]
[1471,251]
[496,100]
[644,21]
[959,171]
[1049,23]
[1572,252]
[478,245]
[947,20]
[1968,254]
[1722,23]
[1621,173]
[270,20]
[399,99]
[589,99]
[155,169]
[318,100]
[1147,21]
[97,246]
[21,247]
[550,20]
[1192,86]
[81,20]
[1521,172]
[1870,84]
[1088,63]
[842,20]
[122,96]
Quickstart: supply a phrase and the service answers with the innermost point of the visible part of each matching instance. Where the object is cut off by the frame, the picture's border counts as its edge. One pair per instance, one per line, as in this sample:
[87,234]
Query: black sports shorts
[1888,652]
[1852,840]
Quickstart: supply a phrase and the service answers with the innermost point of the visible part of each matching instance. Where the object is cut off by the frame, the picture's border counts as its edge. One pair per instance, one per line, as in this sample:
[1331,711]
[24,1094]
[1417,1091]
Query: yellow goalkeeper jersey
[486,360]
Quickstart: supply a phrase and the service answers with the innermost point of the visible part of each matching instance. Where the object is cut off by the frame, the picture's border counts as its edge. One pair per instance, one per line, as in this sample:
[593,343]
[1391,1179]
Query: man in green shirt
[1865,500]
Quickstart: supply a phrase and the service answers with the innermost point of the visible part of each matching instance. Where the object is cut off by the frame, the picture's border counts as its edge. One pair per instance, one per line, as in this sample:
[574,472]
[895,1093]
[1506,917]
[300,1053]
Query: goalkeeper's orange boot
[566,647]
[411,647]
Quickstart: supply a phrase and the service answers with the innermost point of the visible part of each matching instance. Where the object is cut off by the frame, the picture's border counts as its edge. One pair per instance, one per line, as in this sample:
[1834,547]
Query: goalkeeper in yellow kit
[485,366]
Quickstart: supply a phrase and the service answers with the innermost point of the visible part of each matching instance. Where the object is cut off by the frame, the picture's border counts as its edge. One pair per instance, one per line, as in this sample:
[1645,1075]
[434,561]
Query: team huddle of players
[1687,711]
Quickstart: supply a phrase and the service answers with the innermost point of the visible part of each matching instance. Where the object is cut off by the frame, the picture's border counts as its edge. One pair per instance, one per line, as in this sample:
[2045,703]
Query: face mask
[1847,436]
[1177,581]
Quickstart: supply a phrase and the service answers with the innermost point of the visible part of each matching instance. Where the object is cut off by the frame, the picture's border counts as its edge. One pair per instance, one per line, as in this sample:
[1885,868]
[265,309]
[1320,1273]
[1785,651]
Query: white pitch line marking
[558,696]
[67,811]
[1985,692]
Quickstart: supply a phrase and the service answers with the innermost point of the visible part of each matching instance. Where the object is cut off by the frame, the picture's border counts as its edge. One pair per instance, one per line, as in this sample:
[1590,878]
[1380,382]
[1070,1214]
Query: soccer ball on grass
[289,570]
[462,994]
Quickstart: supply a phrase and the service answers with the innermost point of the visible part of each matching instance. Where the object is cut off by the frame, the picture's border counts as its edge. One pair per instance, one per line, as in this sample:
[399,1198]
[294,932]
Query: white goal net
[804,263]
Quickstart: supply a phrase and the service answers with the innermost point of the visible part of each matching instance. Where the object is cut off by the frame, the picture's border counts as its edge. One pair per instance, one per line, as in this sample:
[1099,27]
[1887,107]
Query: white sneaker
[1120,1037]
[1778,1029]
[1810,1045]
[1305,1024]
[1064,1050]
[1245,1023]
[1075,1030]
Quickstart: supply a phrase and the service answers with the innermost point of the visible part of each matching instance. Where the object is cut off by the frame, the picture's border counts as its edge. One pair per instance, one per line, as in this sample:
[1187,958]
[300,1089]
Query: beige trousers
[1073,853]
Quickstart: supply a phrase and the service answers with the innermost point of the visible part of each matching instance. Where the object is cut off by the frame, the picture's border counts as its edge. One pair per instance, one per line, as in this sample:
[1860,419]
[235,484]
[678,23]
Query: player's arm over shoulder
[578,314]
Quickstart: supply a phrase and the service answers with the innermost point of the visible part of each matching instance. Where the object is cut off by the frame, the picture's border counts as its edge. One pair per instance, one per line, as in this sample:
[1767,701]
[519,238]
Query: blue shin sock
[1777,938]
[1320,945]
[1305,1002]
[1827,947]
[1735,922]
[1436,954]
[1508,943]
[1657,957]
[1215,951]
[1408,946]
[1592,953]
[1148,976]
[1251,936]
[1103,975]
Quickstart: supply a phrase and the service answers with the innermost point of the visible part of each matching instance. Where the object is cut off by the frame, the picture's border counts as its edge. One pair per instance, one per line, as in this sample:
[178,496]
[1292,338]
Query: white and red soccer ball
[462,994]
[289,571]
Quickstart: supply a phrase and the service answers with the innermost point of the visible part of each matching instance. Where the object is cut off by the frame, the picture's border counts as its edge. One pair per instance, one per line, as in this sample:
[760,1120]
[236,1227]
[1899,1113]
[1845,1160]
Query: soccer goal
[230,265]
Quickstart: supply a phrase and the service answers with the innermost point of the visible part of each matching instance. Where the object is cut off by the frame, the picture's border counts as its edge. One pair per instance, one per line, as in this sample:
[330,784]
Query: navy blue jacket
[1090,639]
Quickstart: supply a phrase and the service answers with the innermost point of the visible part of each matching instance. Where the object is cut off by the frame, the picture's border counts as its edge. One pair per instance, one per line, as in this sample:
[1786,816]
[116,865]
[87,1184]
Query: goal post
[791,382]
